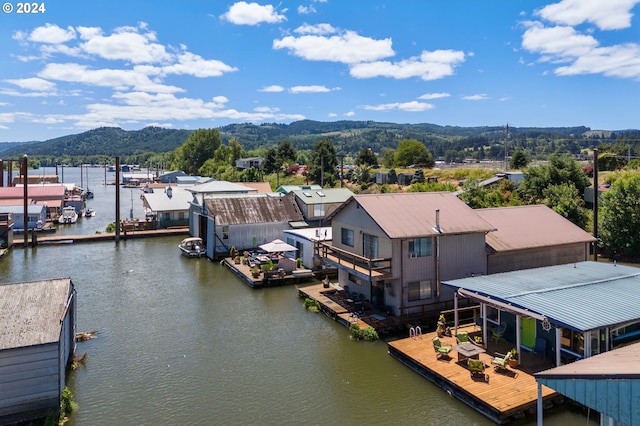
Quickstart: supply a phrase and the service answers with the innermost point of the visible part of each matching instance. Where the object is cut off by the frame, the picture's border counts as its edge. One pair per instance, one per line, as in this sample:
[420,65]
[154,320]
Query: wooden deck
[244,273]
[503,398]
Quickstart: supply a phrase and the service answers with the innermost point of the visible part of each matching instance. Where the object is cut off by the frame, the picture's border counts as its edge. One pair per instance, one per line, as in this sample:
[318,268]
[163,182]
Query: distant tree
[236,151]
[198,148]
[361,174]
[286,153]
[270,164]
[619,224]
[323,163]
[411,151]
[559,170]
[388,155]
[519,159]
[366,157]
[565,200]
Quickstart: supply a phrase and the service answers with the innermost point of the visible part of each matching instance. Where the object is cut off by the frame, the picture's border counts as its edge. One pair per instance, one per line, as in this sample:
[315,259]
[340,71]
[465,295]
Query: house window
[419,290]
[225,232]
[318,210]
[354,279]
[572,340]
[347,237]
[420,247]
[493,315]
[167,216]
[181,215]
[369,246]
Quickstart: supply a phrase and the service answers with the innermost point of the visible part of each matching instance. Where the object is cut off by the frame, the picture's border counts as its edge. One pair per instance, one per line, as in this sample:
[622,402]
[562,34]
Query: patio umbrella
[276,246]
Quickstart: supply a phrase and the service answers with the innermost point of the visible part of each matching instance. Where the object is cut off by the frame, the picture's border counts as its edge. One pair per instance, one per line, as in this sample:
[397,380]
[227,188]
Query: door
[528,332]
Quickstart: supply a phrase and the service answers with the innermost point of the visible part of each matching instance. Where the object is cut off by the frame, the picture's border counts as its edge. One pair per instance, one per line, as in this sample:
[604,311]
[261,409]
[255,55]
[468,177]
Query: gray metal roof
[159,201]
[583,296]
[323,196]
[245,210]
[31,312]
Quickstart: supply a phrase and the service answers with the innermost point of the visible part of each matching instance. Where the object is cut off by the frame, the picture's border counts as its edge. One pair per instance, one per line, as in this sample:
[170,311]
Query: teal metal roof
[583,296]
[608,383]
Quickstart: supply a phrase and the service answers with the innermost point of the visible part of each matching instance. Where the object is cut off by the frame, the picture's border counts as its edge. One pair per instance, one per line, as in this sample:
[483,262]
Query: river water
[184,341]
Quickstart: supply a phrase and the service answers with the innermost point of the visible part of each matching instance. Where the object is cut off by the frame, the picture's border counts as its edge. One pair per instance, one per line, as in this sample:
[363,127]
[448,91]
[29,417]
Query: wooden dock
[69,239]
[503,398]
[243,272]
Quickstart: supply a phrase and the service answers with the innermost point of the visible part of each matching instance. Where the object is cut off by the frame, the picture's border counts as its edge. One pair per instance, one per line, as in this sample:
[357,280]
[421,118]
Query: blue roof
[583,296]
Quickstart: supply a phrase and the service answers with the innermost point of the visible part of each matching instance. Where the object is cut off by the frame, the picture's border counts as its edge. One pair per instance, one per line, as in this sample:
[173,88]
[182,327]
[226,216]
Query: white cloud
[347,47]
[429,96]
[476,97]
[113,78]
[305,10]
[35,84]
[312,89]
[243,13]
[127,44]
[412,106]
[349,114]
[606,15]
[274,88]
[195,65]
[318,29]
[430,65]
[50,33]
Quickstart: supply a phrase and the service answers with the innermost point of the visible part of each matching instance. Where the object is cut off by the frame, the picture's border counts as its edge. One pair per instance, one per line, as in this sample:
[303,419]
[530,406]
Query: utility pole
[506,150]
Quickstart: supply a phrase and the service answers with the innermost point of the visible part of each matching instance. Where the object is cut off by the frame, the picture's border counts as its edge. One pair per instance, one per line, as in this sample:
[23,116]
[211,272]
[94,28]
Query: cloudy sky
[77,65]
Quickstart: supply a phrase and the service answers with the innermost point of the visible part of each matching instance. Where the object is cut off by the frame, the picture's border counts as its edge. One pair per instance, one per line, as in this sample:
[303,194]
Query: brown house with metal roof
[394,249]
[528,237]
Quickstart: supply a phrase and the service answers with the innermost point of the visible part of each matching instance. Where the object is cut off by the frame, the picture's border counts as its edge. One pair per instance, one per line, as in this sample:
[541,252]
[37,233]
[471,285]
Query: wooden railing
[376,268]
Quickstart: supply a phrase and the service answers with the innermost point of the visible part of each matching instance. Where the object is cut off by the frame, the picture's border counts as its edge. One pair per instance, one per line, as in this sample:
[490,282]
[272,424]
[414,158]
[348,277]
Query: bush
[356,332]
[312,305]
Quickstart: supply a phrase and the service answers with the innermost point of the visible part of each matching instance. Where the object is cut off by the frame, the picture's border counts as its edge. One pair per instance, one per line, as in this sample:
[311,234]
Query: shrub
[312,305]
[356,332]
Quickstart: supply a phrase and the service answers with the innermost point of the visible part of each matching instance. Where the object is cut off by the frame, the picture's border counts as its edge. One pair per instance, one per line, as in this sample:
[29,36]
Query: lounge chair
[501,362]
[498,332]
[477,367]
[463,337]
[441,350]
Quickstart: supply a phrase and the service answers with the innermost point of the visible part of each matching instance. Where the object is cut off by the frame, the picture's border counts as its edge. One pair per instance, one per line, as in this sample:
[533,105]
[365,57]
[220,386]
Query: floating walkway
[502,398]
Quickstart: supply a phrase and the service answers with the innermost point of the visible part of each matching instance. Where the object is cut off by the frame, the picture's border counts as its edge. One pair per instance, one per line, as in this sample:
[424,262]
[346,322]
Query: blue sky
[78,65]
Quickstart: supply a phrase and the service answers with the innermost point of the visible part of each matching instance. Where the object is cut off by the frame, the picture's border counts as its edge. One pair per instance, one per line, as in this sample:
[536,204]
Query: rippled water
[184,341]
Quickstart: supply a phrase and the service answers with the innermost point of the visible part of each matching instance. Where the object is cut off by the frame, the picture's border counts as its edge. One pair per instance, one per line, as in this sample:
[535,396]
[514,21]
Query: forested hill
[348,136]
[106,141]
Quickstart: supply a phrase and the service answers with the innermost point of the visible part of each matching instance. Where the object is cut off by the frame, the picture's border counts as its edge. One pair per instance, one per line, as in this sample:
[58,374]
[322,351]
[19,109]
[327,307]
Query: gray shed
[37,342]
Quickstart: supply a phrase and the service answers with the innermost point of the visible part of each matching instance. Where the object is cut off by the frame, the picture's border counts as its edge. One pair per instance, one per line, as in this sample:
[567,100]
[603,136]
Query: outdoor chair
[476,368]
[501,362]
[441,350]
[463,337]
[498,332]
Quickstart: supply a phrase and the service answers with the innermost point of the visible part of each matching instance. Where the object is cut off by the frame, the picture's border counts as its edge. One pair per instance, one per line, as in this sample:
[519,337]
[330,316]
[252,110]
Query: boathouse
[246,222]
[608,383]
[533,236]
[37,343]
[167,207]
[563,312]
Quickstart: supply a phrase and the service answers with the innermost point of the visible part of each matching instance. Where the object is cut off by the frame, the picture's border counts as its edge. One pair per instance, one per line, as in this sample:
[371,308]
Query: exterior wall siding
[535,258]
[246,237]
[29,379]
[462,256]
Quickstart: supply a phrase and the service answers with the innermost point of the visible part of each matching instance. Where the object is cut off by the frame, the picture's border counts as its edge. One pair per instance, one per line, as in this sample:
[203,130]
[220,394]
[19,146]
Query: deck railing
[376,268]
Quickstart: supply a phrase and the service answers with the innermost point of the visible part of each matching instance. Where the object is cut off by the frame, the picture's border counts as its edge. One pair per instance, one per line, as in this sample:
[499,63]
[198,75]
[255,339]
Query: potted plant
[255,271]
[233,252]
[513,361]
[441,329]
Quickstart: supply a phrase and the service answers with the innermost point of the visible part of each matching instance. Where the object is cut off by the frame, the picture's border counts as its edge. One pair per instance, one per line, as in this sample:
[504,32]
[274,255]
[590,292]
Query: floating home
[37,343]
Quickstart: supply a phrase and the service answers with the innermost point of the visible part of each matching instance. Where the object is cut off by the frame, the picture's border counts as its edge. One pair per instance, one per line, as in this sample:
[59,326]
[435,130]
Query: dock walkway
[502,398]
[69,239]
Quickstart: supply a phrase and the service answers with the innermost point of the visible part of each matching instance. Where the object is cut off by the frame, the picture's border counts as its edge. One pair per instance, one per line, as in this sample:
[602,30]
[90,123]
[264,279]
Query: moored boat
[192,247]
[69,215]
[89,212]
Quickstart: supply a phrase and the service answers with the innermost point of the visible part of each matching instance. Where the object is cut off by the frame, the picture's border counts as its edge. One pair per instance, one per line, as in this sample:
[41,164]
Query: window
[572,340]
[420,247]
[347,237]
[225,232]
[419,290]
[493,315]
[318,210]
[369,246]
[181,215]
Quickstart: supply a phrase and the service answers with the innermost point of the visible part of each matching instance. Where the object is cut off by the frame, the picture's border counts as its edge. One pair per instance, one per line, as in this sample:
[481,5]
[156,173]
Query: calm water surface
[183,341]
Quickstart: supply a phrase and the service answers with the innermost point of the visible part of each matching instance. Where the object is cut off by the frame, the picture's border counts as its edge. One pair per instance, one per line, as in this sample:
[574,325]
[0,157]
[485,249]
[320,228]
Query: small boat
[192,247]
[69,215]
[89,212]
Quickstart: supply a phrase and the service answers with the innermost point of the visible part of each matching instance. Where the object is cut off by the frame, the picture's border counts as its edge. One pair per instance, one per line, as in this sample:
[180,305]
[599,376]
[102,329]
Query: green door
[528,332]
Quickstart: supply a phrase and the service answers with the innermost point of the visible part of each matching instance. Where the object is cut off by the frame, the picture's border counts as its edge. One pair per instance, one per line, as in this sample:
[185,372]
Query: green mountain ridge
[349,137]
